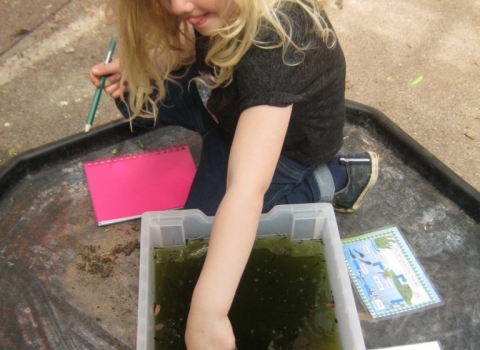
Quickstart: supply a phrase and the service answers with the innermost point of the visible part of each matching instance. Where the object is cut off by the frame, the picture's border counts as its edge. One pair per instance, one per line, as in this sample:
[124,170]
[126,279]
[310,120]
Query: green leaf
[418,80]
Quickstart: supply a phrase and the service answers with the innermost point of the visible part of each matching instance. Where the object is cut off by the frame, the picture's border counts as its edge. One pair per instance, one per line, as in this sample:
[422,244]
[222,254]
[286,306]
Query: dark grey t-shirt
[315,87]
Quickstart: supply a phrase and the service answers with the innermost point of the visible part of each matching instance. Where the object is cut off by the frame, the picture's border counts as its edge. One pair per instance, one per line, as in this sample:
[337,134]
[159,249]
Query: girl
[262,81]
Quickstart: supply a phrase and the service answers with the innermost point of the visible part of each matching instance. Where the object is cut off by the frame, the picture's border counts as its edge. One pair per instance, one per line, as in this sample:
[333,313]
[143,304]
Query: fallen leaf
[135,226]
[418,80]
[140,144]
[158,307]
[20,32]
[470,135]
[130,247]
[159,326]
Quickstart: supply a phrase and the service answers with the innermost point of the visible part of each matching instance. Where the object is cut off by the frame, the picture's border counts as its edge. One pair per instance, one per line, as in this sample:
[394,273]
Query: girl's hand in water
[113,76]
[206,332]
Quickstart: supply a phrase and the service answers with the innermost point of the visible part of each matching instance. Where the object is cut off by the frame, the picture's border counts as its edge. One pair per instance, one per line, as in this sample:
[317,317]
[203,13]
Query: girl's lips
[199,20]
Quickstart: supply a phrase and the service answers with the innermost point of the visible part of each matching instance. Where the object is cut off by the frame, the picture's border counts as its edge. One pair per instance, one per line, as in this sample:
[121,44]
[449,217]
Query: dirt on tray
[103,279]
[98,262]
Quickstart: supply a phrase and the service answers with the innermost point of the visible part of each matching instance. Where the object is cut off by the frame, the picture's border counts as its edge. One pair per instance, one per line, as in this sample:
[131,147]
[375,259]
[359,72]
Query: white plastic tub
[300,221]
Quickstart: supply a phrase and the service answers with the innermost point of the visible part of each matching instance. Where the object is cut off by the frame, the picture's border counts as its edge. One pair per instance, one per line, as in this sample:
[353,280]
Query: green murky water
[283,302]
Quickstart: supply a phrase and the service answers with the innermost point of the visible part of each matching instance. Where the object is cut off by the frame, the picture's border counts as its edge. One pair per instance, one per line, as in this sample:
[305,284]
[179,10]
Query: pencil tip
[87,127]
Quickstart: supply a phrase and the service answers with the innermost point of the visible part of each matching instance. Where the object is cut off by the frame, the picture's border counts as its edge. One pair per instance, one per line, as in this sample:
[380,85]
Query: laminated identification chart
[386,274]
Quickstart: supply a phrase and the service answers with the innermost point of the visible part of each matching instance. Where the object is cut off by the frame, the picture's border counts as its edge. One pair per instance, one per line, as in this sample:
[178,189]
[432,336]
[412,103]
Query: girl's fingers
[114,90]
[116,94]
[111,88]
[112,79]
[99,70]
[93,78]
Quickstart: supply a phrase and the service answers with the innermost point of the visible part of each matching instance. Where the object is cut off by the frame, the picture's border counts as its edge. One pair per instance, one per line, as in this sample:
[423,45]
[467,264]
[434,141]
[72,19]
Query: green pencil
[98,92]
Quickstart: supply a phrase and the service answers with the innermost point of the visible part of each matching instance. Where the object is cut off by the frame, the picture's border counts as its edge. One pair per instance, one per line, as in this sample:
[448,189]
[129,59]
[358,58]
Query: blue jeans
[292,182]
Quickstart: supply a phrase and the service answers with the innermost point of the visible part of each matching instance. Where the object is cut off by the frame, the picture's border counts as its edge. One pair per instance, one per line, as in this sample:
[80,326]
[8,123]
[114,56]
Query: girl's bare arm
[254,155]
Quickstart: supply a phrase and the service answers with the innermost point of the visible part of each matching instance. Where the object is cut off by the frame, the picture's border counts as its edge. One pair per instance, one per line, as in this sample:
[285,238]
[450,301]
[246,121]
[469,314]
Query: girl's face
[206,16]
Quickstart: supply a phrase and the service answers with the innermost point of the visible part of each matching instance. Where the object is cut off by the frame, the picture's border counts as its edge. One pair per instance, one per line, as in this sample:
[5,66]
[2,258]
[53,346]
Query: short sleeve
[312,80]
[272,77]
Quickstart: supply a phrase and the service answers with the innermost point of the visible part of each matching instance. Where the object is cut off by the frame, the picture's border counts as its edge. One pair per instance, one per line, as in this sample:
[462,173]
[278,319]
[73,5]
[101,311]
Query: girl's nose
[182,7]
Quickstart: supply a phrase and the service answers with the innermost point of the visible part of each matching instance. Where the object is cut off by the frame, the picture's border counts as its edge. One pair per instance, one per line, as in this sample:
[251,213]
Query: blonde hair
[147,32]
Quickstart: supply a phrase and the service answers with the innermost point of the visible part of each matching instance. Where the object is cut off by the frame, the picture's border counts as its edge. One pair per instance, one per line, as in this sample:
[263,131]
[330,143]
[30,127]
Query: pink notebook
[125,187]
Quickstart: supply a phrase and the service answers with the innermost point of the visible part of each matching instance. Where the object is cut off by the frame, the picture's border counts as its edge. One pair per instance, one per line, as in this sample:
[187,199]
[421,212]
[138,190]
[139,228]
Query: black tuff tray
[50,298]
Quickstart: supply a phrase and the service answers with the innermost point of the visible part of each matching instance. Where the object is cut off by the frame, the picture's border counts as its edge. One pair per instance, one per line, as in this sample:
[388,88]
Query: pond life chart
[387,276]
